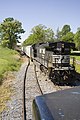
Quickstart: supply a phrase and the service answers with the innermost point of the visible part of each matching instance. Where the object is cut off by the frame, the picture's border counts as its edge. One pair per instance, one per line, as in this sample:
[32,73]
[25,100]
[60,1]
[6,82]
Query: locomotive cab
[61,68]
[61,53]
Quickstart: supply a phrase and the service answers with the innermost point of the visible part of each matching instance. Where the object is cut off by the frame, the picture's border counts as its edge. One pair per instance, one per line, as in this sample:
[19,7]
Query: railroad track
[37,80]
[31,89]
[37,83]
[24,102]
[46,85]
[51,87]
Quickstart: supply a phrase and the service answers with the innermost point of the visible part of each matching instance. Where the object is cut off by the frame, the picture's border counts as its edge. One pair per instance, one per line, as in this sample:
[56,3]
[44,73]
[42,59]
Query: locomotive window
[62,50]
[59,45]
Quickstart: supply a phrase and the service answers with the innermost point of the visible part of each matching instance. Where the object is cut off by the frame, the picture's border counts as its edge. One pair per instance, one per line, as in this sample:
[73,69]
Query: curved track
[24,103]
[29,91]
[37,80]
[38,84]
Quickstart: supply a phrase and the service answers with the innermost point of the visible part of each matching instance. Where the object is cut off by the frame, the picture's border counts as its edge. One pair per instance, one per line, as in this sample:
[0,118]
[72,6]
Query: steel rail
[24,102]
[37,79]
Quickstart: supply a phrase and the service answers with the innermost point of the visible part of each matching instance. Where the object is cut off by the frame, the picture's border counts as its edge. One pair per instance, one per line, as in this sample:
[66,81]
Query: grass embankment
[9,61]
[5,93]
[77,66]
[77,57]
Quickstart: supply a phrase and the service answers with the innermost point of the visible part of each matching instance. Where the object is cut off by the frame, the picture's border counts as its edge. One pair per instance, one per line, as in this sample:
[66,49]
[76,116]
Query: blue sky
[51,13]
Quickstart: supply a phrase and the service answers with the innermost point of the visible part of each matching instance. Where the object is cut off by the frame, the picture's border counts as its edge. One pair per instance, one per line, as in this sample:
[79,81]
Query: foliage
[77,65]
[69,37]
[65,34]
[8,61]
[9,32]
[30,40]
[65,30]
[77,68]
[77,57]
[39,33]
[5,93]
[77,39]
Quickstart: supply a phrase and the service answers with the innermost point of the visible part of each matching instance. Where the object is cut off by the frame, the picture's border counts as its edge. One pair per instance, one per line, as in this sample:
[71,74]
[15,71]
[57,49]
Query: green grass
[77,66]
[9,61]
[76,57]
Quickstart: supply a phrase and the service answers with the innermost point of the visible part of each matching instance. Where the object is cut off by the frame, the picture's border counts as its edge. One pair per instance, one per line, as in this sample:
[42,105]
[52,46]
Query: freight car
[54,58]
[27,50]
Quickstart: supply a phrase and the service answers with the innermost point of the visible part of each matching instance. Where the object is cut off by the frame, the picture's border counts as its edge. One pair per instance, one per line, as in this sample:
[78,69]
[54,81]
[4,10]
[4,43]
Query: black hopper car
[54,59]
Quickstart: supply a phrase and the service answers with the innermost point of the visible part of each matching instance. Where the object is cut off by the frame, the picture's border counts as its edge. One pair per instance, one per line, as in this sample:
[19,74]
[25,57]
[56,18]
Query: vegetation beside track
[77,58]
[9,61]
[5,93]
[77,66]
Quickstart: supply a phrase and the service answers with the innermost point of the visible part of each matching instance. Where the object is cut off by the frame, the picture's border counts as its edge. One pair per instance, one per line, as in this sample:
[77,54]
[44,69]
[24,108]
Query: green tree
[69,37]
[77,39]
[66,34]
[9,32]
[30,40]
[39,33]
[65,29]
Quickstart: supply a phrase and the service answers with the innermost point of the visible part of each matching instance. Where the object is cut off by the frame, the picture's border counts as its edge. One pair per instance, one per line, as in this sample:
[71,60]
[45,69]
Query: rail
[37,79]
[24,103]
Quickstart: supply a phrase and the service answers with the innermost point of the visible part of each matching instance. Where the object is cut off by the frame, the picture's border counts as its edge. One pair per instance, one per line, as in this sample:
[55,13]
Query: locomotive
[54,59]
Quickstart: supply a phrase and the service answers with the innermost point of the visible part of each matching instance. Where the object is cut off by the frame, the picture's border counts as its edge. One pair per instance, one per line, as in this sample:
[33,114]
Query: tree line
[11,30]
[41,33]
